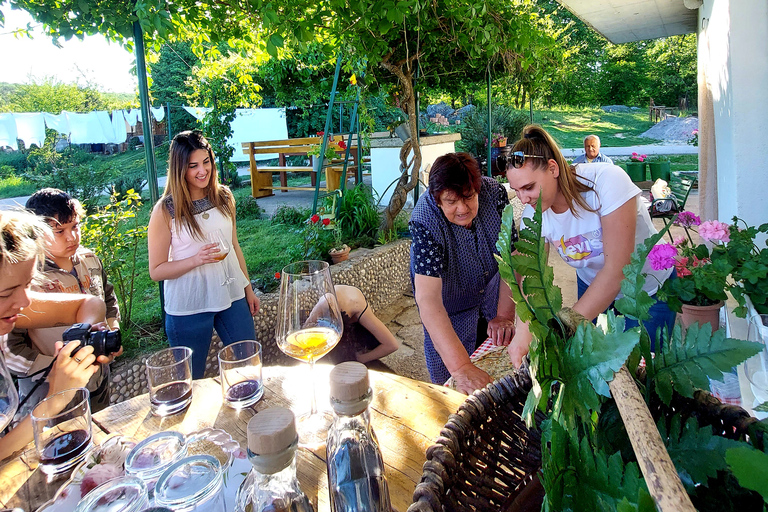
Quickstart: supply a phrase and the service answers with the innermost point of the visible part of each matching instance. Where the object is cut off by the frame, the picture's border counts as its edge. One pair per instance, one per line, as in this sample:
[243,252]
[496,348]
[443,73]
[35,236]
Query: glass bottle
[356,480]
[272,486]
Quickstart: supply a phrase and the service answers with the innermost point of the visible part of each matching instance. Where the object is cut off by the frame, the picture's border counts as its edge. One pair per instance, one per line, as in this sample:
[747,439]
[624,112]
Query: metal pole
[149,146]
[168,122]
[530,99]
[490,119]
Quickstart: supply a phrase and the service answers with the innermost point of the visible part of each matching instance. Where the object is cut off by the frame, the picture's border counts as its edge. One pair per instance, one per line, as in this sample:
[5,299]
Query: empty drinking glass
[62,428]
[193,483]
[169,375]
[240,373]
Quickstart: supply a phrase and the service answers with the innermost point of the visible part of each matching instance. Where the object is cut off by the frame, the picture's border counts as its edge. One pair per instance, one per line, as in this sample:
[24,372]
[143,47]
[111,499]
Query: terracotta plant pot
[702,314]
[337,256]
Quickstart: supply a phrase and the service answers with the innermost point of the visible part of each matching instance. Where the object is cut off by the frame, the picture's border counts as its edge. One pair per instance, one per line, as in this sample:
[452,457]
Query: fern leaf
[697,453]
[687,365]
[750,467]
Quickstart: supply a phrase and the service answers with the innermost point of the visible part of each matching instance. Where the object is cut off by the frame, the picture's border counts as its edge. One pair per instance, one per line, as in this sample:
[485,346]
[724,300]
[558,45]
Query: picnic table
[407,416]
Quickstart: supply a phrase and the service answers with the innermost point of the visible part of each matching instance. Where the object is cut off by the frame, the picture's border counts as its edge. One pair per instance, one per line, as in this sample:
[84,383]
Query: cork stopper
[350,389]
[271,431]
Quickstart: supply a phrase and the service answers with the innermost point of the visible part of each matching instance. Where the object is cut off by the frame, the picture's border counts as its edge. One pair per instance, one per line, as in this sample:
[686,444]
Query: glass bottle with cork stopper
[272,485]
[356,479]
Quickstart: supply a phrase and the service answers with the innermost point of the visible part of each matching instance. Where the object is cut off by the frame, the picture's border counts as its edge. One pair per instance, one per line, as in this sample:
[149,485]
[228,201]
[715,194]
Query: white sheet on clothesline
[30,127]
[85,129]
[8,132]
[131,117]
[106,125]
[119,129]
[198,112]
[255,125]
[158,113]
[57,122]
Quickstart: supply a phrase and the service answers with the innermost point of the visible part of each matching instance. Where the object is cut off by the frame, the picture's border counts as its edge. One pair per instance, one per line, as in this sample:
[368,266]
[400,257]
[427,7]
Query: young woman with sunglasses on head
[454,273]
[592,214]
[193,205]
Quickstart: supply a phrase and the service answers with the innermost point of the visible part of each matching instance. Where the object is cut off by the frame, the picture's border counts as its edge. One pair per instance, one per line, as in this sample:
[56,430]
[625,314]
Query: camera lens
[113,341]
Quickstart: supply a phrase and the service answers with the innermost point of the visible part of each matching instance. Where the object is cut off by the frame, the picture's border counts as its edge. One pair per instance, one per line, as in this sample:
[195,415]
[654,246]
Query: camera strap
[45,371]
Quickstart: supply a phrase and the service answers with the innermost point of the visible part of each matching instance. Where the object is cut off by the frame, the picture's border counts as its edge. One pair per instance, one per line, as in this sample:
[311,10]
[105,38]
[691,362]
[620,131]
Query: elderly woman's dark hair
[457,172]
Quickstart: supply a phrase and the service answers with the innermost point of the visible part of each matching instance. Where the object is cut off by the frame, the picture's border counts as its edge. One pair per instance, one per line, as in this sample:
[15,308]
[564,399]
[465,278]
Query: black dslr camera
[103,342]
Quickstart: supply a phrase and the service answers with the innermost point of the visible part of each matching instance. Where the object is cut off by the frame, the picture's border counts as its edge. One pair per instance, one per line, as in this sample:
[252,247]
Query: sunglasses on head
[515,159]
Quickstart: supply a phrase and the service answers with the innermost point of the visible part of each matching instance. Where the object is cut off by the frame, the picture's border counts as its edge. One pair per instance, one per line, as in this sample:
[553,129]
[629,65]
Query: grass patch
[15,186]
[617,129]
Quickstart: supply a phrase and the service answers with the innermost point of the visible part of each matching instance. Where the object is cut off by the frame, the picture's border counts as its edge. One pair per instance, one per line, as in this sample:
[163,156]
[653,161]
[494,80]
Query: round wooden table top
[407,416]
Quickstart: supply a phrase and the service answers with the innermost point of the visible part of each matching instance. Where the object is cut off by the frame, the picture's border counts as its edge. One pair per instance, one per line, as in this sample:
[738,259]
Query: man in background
[592,152]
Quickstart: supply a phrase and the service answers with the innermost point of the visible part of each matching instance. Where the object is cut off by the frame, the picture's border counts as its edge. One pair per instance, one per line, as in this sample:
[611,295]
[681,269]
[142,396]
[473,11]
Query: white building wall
[733,53]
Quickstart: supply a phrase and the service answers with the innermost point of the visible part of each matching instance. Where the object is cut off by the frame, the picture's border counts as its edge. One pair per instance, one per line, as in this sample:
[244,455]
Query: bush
[15,159]
[474,128]
[122,185]
[248,208]
[290,216]
[358,216]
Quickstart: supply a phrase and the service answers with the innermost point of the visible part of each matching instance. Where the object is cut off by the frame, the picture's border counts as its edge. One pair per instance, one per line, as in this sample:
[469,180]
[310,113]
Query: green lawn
[569,127]
[15,186]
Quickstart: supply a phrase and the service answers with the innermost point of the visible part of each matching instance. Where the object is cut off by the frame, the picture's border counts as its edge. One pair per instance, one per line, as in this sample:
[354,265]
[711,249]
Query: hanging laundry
[118,127]
[198,112]
[8,132]
[106,125]
[158,113]
[57,122]
[132,117]
[86,129]
[30,127]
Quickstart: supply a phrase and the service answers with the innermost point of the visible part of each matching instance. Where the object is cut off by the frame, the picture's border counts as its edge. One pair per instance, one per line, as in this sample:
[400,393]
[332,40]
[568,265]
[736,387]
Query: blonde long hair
[536,141]
[22,237]
[182,146]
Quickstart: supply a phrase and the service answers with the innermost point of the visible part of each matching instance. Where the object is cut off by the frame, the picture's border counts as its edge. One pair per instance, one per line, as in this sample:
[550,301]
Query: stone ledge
[381,273]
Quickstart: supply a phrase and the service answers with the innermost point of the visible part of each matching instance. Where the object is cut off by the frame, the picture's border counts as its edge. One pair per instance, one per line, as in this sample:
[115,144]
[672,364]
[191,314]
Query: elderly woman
[454,273]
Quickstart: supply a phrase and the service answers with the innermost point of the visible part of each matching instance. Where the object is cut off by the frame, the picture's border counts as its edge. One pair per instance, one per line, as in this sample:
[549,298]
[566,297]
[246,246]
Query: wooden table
[407,416]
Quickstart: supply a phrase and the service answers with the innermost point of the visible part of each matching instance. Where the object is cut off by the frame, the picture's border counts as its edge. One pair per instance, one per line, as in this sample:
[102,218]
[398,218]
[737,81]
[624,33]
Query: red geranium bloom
[326,222]
[342,144]
[320,134]
[277,275]
[314,218]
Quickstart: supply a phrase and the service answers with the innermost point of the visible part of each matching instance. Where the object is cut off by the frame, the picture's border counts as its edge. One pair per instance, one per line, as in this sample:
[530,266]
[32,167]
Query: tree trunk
[409,172]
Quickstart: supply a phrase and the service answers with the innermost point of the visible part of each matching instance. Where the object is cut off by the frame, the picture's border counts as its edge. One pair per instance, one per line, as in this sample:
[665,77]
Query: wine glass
[9,398]
[217,237]
[309,325]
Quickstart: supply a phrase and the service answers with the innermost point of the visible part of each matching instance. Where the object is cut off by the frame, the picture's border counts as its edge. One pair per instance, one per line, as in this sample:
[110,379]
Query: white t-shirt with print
[579,239]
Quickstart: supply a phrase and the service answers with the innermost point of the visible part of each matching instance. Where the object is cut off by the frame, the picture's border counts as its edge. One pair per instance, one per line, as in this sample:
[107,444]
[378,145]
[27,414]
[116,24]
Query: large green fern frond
[686,364]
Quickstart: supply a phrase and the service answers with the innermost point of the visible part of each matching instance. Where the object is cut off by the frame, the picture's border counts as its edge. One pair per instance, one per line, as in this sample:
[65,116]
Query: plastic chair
[681,184]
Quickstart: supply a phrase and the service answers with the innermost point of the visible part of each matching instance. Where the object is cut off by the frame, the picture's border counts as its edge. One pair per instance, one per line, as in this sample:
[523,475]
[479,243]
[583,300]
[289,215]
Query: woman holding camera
[21,248]
[194,206]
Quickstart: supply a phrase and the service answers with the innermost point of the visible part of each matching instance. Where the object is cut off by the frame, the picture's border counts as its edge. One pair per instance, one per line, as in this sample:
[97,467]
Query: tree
[50,95]
[169,70]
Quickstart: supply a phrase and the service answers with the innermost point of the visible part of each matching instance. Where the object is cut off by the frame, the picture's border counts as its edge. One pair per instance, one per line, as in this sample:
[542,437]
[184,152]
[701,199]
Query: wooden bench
[261,176]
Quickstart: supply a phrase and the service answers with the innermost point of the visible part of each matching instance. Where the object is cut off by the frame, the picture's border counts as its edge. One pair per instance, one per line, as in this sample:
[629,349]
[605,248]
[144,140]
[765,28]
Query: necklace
[205,215]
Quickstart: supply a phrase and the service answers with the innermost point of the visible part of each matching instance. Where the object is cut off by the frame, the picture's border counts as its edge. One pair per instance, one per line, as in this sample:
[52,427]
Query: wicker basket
[485,455]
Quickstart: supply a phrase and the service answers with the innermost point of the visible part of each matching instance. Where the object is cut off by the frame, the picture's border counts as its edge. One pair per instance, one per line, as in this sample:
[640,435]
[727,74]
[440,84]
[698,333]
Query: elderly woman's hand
[469,378]
[501,330]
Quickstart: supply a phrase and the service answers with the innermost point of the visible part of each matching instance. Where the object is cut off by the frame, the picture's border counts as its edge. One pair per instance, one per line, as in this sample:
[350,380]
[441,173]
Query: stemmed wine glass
[217,237]
[309,325]
[9,398]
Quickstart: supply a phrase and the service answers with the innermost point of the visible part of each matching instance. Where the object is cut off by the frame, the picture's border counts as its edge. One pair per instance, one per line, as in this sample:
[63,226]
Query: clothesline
[97,127]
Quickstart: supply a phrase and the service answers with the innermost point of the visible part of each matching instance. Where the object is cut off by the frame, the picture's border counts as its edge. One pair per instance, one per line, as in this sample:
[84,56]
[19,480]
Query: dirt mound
[673,129]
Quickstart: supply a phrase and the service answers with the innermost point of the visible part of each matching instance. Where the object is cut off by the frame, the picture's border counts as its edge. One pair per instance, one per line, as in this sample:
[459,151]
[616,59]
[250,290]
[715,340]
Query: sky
[93,60]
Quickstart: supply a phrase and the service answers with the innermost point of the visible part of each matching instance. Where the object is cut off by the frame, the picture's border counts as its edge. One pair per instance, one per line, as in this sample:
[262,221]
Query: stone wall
[381,273]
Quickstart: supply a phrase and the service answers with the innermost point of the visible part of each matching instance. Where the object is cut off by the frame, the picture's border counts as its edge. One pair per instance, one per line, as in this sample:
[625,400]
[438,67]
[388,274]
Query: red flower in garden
[320,134]
[326,222]
[342,144]
[314,218]
[277,275]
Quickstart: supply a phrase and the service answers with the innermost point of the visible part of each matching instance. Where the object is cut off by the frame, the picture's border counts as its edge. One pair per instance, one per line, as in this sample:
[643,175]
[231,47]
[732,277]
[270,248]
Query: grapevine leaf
[750,467]
[697,454]
[684,365]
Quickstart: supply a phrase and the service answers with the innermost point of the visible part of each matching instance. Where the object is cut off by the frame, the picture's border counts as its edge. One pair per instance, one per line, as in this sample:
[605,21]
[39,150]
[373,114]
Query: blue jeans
[661,315]
[194,331]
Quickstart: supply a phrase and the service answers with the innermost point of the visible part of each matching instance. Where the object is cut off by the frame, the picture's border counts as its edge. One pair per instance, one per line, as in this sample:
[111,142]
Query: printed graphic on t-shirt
[581,247]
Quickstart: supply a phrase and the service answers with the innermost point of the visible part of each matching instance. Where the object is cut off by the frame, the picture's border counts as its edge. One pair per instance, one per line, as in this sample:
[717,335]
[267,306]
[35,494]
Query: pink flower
[714,230]
[97,475]
[688,219]
[662,256]
[680,241]
[634,153]
[695,131]
[681,267]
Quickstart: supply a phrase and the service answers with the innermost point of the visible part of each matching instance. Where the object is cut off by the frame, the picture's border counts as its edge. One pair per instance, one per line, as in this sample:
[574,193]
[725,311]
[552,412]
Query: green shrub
[358,216]
[248,208]
[474,128]
[290,216]
[123,184]
[15,159]
[15,186]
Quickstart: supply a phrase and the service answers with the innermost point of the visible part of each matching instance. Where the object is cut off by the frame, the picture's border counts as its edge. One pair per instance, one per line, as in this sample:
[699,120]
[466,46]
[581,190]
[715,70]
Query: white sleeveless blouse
[200,290]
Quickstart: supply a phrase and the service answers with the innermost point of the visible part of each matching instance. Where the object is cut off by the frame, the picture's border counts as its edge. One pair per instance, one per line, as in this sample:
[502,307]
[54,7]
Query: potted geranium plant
[340,251]
[702,285]
[636,167]
[749,266]
[659,166]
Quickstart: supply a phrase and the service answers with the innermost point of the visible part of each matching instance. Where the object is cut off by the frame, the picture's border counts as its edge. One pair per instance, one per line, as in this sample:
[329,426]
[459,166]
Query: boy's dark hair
[55,204]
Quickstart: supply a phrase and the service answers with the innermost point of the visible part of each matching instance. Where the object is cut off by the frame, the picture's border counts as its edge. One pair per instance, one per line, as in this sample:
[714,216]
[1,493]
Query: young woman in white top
[593,216]
[197,298]
[21,252]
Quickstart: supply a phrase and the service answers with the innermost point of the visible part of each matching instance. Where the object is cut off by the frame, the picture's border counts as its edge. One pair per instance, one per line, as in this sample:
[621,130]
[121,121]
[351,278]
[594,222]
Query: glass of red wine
[240,374]
[62,427]
[169,375]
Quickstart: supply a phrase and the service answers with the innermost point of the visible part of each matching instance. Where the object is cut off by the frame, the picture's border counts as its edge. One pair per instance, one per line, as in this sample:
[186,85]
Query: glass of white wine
[309,325]
[217,237]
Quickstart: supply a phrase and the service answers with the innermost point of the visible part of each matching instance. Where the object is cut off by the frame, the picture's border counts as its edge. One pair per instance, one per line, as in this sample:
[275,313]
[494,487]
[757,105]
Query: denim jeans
[661,315]
[194,331]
